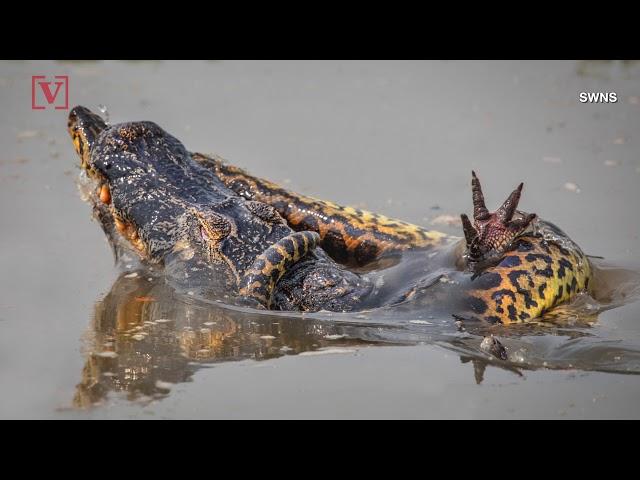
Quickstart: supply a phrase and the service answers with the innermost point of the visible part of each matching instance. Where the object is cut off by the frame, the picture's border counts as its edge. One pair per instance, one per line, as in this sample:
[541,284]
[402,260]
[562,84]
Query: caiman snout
[84,127]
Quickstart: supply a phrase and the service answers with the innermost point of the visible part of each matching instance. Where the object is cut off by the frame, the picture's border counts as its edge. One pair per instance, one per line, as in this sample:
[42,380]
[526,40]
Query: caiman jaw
[84,126]
[491,234]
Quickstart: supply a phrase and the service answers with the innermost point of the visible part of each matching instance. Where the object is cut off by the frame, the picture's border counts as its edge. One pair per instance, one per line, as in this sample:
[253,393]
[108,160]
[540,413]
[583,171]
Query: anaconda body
[215,225]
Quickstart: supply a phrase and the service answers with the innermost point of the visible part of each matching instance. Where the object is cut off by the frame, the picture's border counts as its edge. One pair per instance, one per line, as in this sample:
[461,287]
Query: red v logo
[44,94]
[46,89]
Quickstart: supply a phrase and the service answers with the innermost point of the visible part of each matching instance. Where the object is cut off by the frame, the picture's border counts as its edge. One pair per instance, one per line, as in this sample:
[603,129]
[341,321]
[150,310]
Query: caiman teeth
[139,245]
[120,226]
[105,194]
[128,231]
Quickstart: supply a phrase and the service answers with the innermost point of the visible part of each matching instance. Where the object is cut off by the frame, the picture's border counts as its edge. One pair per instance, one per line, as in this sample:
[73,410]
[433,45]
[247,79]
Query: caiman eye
[213,227]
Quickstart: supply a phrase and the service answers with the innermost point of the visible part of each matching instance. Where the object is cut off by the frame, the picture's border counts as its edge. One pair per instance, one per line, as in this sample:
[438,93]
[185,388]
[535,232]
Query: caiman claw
[491,234]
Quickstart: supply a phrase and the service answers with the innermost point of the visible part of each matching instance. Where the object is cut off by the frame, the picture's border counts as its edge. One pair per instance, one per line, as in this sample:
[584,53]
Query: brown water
[398,138]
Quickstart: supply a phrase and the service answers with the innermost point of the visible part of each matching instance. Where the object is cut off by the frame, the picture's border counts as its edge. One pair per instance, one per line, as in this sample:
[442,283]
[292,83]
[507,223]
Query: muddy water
[81,339]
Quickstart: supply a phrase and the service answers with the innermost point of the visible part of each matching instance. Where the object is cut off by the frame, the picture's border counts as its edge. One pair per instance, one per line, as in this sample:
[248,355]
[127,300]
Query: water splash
[104,112]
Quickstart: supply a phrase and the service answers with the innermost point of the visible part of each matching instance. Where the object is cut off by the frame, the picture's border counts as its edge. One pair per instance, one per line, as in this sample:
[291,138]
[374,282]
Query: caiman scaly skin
[533,265]
[350,235]
[209,222]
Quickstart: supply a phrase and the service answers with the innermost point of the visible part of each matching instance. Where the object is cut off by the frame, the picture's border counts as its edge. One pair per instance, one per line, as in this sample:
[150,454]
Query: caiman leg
[349,235]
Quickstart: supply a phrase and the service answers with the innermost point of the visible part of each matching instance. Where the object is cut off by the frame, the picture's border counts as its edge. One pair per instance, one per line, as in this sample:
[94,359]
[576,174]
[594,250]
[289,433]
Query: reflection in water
[145,336]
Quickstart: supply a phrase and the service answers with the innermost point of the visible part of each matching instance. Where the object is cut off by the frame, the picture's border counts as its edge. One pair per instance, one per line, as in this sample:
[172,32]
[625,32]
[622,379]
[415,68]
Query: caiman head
[150,195]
